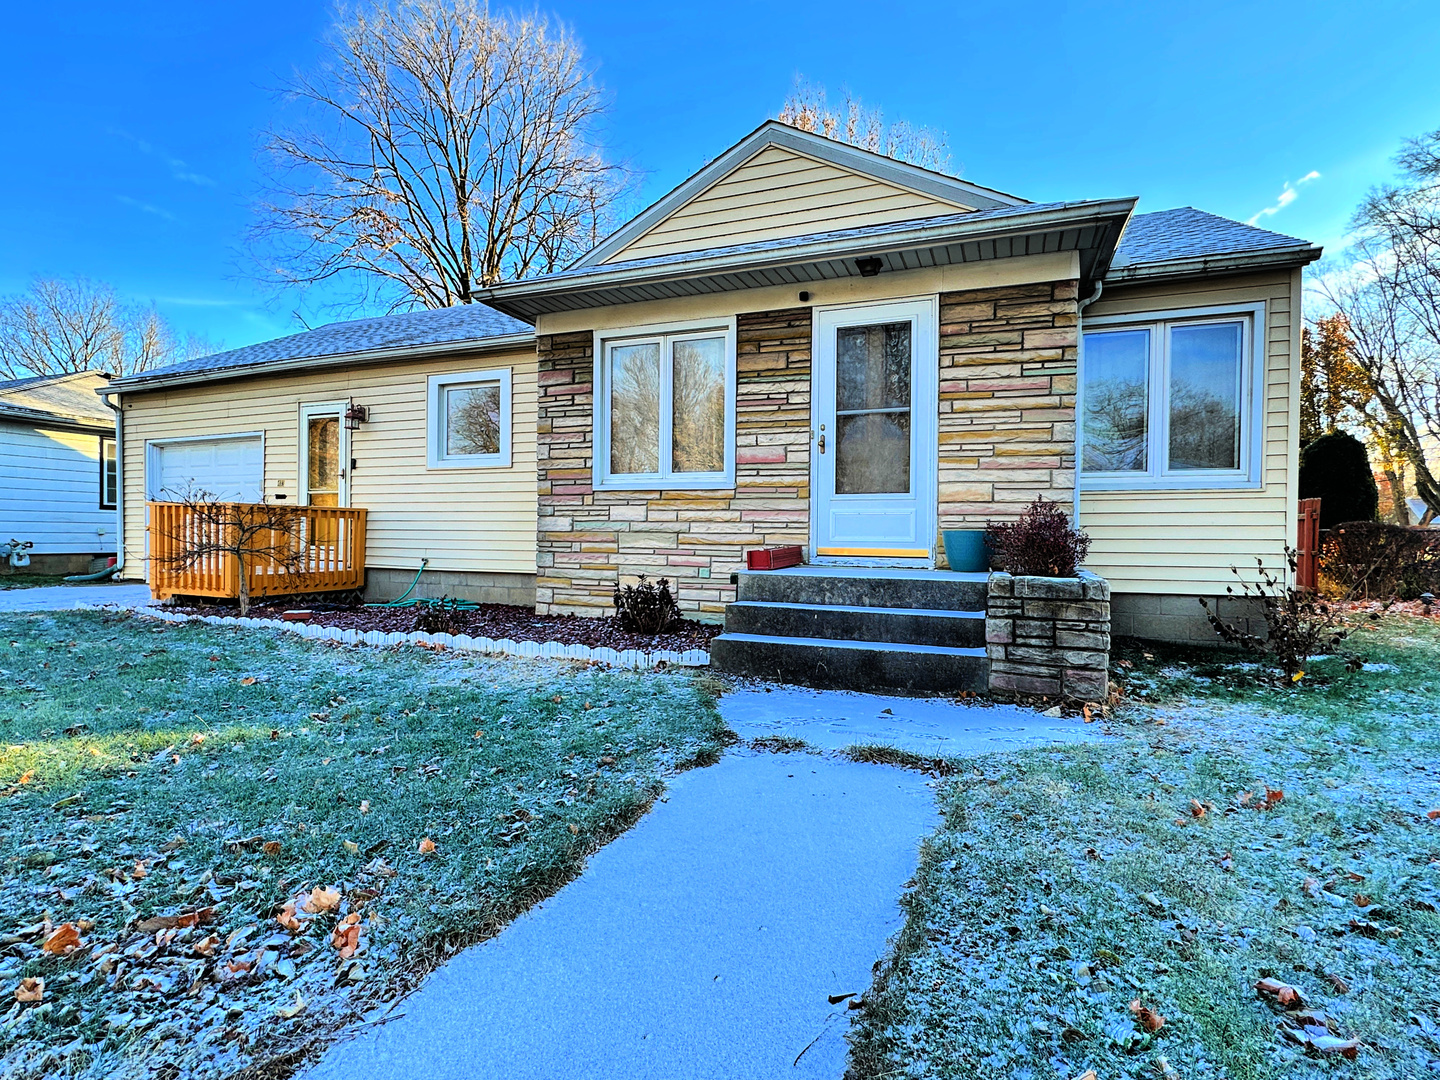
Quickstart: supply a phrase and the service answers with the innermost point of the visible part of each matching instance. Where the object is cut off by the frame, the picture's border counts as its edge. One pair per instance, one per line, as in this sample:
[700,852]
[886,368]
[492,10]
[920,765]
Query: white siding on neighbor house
[50,491]
[460,519]
[781,193]
[1185,542]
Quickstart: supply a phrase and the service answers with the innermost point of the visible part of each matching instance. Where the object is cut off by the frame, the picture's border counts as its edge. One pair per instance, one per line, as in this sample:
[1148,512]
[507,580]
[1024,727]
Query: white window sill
[488,461]
[1169,483]
[644,483]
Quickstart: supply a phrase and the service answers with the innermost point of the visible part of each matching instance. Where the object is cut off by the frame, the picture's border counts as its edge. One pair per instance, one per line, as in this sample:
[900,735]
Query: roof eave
[510,298]
[45,418]
[1211,265]
[141,382]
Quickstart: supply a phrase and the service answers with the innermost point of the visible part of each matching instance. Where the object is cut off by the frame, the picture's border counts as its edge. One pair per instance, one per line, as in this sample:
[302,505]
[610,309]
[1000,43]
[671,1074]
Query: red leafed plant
[1040,542]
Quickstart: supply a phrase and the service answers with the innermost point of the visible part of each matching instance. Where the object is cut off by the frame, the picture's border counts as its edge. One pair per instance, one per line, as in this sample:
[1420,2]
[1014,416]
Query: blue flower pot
[966,550]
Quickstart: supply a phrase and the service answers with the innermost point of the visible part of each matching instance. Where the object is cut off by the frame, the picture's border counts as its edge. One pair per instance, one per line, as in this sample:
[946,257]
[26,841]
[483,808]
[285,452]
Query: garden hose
[401,601]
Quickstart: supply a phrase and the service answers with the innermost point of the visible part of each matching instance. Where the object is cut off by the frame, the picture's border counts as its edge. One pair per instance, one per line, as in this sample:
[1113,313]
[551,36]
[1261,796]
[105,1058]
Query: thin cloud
[1288,194]
[147,208]
[179,169]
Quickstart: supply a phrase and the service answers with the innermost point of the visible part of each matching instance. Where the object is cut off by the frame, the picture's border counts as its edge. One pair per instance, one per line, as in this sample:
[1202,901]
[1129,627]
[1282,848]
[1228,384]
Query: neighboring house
[804,343]
[58,481]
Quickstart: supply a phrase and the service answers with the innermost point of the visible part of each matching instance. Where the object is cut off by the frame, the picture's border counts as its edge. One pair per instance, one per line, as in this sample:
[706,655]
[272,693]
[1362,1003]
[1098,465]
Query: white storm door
[324,455]
[873,451]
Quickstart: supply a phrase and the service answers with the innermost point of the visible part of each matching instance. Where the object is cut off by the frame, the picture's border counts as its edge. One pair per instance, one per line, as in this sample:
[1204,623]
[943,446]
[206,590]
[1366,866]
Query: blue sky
[132,128]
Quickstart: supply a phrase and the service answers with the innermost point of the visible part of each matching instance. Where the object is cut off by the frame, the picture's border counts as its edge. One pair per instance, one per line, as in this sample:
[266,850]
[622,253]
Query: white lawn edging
[550,650]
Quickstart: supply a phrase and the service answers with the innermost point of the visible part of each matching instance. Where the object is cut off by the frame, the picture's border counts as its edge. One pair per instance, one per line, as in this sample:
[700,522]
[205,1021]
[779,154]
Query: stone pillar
[1049,636]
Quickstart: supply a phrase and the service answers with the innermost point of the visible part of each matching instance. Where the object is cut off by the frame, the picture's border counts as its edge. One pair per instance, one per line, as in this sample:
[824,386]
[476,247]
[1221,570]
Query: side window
[469,420]
[109,474]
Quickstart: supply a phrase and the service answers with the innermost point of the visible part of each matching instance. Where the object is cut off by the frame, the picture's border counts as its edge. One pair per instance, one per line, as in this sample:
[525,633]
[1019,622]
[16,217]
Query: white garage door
[228,470]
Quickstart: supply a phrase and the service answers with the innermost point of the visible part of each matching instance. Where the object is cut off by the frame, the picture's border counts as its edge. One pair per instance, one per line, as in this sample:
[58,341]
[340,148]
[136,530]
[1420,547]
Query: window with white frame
[109,474]
[665,404]
[469,420]
[1171,400]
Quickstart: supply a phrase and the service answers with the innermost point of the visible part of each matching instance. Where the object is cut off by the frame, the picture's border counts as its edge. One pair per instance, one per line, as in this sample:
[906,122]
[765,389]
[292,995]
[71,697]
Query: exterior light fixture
[355,415]
[869,266]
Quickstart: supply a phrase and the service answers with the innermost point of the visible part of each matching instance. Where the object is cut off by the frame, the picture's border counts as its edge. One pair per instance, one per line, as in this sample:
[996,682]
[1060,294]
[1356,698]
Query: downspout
[1079,405]
[119,486]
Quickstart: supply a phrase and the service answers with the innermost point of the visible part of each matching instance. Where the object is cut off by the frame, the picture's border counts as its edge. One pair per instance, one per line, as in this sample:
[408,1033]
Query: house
[58,479]
[804,343]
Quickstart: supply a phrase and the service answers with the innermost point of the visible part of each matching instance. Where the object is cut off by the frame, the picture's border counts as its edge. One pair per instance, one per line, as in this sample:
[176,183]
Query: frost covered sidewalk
[702,943]
[67,597]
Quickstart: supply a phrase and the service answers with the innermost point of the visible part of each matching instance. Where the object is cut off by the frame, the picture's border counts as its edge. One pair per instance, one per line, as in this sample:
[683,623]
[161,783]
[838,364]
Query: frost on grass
[220,845]
[1232,834]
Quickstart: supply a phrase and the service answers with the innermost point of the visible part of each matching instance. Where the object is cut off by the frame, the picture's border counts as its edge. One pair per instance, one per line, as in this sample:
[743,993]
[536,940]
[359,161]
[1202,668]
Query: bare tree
[206,535]
[1396,358]
[808,109]
[73,324]
[441,150]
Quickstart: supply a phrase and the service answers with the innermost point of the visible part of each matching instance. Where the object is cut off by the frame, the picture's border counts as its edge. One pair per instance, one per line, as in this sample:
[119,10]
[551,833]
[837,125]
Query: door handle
[822,442]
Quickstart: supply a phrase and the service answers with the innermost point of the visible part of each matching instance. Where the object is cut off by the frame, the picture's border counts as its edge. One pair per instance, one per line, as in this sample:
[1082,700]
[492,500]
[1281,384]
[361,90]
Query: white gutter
[104,393]
[1200,266]
[136,383]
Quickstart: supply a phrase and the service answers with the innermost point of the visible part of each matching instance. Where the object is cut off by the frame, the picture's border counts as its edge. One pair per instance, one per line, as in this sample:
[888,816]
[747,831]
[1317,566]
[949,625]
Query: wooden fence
[287,550]
[1307,545]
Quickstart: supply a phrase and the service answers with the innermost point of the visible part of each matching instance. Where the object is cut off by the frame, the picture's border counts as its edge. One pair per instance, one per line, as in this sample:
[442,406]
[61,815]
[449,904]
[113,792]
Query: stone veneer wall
[1008,361]
[589,539]
[1049,635]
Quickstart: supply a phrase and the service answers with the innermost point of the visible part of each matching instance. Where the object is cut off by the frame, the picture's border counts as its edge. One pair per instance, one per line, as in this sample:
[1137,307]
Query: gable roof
[67,399]
[1184,241]
[913,192]
[452,329]
[1089,228]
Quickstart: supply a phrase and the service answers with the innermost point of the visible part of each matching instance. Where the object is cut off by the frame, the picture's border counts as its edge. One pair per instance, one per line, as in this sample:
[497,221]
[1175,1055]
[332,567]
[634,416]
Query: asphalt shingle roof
[70,396]
[1187,233]
[441,326]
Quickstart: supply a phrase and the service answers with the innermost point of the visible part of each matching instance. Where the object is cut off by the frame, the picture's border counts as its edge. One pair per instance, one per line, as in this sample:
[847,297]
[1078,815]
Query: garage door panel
[230,470]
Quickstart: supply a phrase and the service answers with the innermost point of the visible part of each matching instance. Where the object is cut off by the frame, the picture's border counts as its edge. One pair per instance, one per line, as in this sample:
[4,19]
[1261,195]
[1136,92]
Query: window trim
[601,477]
[436,386]
[111,503]
[1250,476]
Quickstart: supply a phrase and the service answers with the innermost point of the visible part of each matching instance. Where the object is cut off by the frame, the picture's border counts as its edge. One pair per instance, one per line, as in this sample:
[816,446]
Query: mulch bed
[1398,607]
[499,621]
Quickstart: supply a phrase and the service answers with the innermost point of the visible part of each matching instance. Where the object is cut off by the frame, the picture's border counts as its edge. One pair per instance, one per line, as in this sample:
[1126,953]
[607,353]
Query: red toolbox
[773,558]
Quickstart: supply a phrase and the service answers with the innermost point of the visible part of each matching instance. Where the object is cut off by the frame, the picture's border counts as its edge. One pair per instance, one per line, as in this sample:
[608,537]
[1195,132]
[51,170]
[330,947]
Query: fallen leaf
[574,829]
[1433,814]
[176,922]
[64,940]
[1273,796]
[30,990]
[1086,712]
[287,917]
[427,846]
[346,935]
[1197,808]
[1227,862]
[1146,1017]
[321,899]
[1333,1044]
[289,1012]
[352,847]
[607,760]
[1339,985]
[26,777]
[197,739]
[271,847]
[364,806]
[1284,995]
[205,946]
[249,680]
[139,871]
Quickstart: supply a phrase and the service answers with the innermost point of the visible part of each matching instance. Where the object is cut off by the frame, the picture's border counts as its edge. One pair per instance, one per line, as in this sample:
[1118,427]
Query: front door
[874,452]
[324,456]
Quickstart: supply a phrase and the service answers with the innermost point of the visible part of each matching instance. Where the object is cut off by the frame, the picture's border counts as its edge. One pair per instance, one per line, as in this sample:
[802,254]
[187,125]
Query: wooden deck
[310,549]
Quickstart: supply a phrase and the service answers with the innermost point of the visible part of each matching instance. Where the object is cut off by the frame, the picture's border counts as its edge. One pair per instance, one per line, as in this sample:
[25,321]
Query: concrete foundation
[57,564]
[383,584]
[1180,619]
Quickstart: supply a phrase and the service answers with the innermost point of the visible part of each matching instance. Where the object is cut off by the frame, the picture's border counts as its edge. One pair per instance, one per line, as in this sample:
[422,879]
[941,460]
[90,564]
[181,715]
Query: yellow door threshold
[876,553]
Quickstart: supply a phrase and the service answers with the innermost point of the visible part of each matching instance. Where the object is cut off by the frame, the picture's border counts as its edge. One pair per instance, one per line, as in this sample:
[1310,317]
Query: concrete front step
[864,588]
[902,625]
[852,665]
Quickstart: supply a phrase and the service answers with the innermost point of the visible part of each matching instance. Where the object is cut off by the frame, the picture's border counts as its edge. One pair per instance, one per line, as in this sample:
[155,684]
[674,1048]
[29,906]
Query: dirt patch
[503,621]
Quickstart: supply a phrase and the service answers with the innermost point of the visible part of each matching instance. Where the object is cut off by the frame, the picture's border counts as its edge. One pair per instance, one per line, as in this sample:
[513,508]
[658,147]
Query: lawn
[171,792]
[30,581]
[1230,831]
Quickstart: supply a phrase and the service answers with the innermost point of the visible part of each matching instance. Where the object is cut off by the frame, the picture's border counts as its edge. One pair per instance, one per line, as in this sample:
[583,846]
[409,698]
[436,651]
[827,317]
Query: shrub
[1040,542]
[1336,470]
[647,607]
[1298,623]
[443,616]
[1380,562]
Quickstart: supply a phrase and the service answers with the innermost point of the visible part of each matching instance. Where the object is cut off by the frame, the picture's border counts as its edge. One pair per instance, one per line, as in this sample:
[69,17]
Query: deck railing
[308,549]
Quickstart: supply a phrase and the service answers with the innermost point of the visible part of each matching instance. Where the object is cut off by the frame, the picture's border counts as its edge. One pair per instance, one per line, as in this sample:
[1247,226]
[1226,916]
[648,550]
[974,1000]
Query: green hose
[401,601]
[99,575]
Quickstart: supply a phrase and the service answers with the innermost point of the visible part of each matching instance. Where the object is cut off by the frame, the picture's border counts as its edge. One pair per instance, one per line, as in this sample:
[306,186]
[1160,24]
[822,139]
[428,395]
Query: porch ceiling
[1091,229]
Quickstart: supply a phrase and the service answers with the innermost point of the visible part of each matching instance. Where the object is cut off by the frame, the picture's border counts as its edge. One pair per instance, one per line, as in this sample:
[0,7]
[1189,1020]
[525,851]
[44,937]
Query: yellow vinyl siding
[780,193]
[461,519]
[1184,542]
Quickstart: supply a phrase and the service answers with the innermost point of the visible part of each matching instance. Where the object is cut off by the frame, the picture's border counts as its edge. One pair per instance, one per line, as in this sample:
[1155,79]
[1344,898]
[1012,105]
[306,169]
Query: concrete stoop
[858,629]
